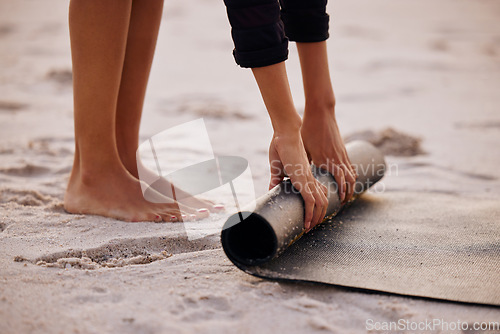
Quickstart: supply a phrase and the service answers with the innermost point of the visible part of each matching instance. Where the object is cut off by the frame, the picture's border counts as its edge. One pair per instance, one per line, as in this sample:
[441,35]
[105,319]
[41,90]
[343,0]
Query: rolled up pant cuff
[263,57]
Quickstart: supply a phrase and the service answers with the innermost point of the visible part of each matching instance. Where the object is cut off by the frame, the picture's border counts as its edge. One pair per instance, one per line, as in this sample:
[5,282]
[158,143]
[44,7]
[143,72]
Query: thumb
[277,173]
[276,166]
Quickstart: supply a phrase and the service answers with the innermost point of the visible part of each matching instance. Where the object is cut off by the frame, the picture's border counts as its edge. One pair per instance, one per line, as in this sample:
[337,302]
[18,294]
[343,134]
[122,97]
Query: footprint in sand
[203,106]
[390,142]
[492,124]
[492,48]
[205,307]
[475,176]
[125,252]
[25,170]
[11,106]
[25,197]
[58,147]
[440,45]
[6,29]
[64,77]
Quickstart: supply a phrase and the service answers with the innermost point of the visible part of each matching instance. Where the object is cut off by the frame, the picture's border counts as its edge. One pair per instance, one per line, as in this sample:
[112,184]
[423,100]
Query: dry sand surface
[421,79]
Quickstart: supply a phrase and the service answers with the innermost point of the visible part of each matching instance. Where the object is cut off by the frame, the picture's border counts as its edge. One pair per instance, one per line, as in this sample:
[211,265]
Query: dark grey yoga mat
[420,244]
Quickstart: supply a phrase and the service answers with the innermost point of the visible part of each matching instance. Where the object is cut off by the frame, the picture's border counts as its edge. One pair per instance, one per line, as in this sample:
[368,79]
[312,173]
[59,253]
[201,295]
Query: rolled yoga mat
[420,244]
[252,237]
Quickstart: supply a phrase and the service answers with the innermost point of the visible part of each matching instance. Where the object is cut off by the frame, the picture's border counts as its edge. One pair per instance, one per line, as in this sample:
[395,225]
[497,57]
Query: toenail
[193,216]
[219,207]
[201,210]
[173,218]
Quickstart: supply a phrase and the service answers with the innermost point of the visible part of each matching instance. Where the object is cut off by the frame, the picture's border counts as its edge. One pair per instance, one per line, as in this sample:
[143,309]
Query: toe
[202,213]
[218,208]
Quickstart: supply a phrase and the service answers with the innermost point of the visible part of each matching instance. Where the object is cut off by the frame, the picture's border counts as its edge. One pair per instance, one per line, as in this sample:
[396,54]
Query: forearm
[275,90]
[316,78]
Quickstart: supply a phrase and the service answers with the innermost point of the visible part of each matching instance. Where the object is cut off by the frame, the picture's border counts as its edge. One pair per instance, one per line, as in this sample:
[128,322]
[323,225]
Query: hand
[325,148]
[288,157]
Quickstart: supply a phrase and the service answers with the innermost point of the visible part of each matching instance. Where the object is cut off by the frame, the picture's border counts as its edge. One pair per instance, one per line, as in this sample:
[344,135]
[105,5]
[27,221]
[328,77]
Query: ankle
[92,176]
[130,164]
[129,161]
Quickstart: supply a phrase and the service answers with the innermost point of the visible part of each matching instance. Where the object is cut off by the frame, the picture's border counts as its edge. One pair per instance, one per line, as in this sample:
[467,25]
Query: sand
[428,70]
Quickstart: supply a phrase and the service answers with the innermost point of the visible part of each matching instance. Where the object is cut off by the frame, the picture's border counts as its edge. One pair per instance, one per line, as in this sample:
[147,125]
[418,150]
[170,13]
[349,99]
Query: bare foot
[117,194]
[164,187]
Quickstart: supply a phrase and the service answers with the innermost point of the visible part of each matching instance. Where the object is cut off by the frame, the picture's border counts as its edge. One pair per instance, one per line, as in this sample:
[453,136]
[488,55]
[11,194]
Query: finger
[323,189]
[277,173]
[275,180]
[324,200]
[318,209]
[352,170]
[325,207]
[355,171]
[347,164]
[308,206]
[350,182]
[276,167]
[340,179]
[321,210]
[320,204]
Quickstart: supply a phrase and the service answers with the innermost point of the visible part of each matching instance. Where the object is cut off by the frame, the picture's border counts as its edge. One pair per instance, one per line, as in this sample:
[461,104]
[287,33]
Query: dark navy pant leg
[258,32]
[261,28]
[305,20]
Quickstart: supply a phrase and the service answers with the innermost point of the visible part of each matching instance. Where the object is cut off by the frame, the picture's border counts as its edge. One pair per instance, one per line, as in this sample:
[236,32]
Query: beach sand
[420,79]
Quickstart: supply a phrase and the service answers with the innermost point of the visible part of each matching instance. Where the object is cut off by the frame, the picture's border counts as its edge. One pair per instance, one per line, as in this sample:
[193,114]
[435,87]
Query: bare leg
[99,183]
[141,42]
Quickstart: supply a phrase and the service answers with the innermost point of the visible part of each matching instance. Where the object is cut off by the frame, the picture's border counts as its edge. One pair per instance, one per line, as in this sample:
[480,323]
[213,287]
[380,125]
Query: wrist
[287,126]
[319,112]
[320,106]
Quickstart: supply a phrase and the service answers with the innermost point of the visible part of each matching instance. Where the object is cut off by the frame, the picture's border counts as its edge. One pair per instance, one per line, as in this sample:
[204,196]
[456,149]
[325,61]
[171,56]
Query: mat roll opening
[251,242]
